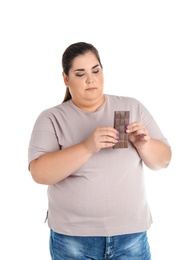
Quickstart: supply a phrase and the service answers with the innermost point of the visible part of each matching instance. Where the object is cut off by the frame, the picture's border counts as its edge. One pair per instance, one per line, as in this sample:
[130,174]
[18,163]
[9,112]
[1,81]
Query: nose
[89,79]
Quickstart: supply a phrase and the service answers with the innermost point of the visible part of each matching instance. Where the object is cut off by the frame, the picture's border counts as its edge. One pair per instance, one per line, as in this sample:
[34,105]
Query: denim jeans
[122,247]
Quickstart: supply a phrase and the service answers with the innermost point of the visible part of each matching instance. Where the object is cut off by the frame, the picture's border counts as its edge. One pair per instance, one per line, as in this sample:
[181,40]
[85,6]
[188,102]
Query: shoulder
[123,100]
[50,115]
[55,110]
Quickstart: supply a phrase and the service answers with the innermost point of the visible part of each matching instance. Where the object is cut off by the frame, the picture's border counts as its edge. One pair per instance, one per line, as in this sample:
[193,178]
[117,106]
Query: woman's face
[85,81]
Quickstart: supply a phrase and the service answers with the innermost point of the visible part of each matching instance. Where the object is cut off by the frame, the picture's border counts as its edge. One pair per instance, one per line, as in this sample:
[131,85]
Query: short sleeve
[151,125]
[43,138]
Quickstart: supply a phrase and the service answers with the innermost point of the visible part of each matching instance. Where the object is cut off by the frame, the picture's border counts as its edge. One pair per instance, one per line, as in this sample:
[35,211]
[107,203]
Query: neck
[90,106]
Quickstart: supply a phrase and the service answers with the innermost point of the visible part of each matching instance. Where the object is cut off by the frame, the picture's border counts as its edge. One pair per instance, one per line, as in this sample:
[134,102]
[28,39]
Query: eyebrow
[84,69]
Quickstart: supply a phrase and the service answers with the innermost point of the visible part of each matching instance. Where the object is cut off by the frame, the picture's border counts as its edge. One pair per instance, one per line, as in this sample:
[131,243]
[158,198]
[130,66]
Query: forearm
[155,154]
[56,166]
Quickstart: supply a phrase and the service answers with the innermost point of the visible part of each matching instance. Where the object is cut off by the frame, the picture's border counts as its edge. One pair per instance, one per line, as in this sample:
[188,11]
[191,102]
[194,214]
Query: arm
[56,166]
[154,153]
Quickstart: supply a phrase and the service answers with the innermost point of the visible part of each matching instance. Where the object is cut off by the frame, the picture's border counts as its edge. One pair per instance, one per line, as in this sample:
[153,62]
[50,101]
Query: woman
[97,202]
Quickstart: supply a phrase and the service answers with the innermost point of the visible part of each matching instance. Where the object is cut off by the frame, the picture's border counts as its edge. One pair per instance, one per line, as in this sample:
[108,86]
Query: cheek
[76,86]
[76,83]
[101,80]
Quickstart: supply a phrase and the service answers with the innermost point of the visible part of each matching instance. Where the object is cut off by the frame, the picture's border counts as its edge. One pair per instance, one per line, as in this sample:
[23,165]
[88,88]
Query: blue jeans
[123,247]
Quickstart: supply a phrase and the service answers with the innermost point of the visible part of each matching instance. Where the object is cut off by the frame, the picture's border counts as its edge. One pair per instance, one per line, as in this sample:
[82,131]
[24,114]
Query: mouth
[91,89]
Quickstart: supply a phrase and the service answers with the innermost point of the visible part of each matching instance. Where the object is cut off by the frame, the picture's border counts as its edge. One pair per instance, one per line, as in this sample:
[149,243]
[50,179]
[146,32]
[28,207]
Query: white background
[148,52]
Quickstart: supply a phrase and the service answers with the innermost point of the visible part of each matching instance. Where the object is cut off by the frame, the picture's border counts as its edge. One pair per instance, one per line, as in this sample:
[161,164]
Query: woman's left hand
[138,134]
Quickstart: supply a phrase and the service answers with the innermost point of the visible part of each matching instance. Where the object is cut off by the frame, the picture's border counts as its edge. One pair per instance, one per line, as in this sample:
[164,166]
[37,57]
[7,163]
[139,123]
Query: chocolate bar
[121,119]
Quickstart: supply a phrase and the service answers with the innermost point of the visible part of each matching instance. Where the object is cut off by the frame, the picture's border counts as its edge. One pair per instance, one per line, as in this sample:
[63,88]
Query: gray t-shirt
[106,196]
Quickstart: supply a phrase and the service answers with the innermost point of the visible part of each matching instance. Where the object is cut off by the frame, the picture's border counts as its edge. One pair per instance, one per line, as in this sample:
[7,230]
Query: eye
[80,75]
[96,71]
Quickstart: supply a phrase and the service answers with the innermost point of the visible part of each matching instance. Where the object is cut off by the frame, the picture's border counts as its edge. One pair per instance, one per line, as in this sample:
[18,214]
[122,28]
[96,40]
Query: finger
[145,138]
[108,139]
[109,131]
[132,126]
[136,128]
[140,132]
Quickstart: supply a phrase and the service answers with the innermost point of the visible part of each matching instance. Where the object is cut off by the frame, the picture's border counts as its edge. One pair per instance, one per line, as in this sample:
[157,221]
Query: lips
[91,89]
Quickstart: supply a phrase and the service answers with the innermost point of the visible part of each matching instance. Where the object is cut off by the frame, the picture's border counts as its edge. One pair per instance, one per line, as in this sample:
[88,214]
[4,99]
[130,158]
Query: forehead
[85,61]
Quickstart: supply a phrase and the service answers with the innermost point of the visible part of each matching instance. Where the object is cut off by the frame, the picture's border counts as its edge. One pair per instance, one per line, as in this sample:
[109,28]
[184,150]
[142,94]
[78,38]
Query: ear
[65,78]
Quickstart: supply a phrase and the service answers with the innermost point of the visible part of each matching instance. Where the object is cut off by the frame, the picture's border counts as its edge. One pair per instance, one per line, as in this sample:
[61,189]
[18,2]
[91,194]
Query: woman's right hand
[102,137]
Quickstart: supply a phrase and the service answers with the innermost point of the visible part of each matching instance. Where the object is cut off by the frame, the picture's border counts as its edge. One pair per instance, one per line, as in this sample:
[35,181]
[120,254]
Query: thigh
[132,247]
[63,247]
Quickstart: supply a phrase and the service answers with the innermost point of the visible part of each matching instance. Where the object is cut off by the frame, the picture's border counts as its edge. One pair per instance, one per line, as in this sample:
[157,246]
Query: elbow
[38,179]
[165,159]
[36,174]
[168,158]
[162,164]
[166,164]
[158,167]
